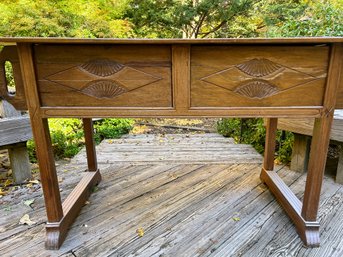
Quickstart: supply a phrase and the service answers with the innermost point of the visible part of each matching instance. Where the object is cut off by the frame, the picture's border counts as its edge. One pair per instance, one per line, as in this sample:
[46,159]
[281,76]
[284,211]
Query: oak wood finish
[258,76]
[119,75]
[215,41]
[59,217]
[180,78]
[57,231]
[308,231]
[269,152]
[321,138]
[90,144]
[41,135]
[9,53]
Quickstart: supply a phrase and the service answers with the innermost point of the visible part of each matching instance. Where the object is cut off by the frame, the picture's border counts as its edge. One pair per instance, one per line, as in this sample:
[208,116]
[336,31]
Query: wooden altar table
[86,78]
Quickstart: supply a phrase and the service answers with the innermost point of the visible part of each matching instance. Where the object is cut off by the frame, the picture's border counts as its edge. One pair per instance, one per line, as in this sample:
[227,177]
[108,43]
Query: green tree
[189,18]
[53,18]
[309,18]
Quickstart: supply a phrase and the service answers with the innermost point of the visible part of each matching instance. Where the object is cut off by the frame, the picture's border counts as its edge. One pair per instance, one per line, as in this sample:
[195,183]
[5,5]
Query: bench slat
[305,126]
[15,130]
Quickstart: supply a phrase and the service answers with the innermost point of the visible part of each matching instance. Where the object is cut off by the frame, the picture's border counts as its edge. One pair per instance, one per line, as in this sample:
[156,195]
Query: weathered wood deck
[193,196]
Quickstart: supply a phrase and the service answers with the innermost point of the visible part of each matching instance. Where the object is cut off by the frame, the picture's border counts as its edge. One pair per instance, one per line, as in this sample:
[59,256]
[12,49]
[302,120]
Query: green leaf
[29,202]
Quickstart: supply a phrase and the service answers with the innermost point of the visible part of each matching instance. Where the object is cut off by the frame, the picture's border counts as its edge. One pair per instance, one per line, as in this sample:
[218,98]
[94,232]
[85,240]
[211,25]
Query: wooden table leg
[75,201]
[60,216]
[90,144]
[48,178]
[57,231]
[269,152]
[308,230]
[316,168]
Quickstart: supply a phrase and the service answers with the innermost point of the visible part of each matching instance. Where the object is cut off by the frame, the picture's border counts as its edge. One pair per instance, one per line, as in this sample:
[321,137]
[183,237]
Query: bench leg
[300,152]
[339,174]
[20,163]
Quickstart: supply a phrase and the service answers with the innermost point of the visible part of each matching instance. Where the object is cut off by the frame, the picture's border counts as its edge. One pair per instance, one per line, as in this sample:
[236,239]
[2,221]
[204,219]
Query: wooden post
[90,144]
[18,155]
[300,153]
[20,163]
[339,174]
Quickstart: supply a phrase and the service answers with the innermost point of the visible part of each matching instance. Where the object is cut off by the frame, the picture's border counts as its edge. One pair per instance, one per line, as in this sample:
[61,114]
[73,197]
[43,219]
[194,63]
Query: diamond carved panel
[102,78]
[257,78]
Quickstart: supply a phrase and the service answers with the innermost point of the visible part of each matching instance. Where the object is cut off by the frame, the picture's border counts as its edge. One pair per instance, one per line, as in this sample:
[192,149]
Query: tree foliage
[187,18]
[61,18]
[319,18]
[170,18]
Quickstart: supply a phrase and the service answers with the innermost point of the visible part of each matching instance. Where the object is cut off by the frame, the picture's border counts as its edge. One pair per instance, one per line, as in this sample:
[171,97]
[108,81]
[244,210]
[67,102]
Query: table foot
[310,234]
[307,230]
[57,231]
[54,237]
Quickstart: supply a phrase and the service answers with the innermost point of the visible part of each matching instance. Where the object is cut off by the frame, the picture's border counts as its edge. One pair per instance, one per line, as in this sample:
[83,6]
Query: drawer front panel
[104,75]
[261,76]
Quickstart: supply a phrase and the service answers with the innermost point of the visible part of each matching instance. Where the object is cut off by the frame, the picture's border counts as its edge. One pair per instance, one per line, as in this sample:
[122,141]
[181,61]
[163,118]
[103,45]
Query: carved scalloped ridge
[257,89]
[102,67]
[259,67]
[103,89]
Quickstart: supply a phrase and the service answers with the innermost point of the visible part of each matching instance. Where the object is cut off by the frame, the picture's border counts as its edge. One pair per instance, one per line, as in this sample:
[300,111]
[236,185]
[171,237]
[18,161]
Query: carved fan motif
[259,67]
[103,89]
[257,89]
[102,67]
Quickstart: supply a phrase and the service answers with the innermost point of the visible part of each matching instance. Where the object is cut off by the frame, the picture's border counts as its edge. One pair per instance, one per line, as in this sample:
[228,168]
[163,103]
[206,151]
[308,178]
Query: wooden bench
[15,130]
[303,129]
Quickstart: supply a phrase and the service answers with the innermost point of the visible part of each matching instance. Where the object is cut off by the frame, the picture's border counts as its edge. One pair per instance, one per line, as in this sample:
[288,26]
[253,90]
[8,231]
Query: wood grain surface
[181,79]
[258,76]
[123,76]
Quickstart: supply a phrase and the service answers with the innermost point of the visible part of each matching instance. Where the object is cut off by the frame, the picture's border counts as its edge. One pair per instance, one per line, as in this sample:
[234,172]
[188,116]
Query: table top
[294,40]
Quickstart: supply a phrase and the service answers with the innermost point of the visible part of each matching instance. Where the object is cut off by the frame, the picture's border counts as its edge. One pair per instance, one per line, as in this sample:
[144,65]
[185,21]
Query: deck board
[191,206]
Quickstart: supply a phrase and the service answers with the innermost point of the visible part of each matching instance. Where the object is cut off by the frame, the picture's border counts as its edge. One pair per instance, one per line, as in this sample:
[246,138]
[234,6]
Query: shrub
[252,131]
[67,137]
[112,128]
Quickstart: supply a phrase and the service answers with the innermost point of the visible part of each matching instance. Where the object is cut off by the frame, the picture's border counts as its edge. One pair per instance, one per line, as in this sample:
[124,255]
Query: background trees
[62,18]
[171,18]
